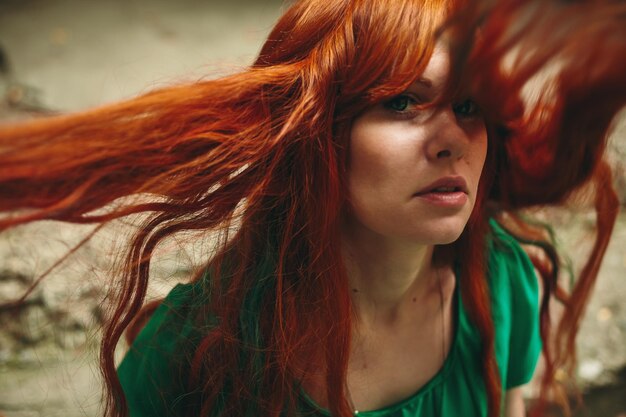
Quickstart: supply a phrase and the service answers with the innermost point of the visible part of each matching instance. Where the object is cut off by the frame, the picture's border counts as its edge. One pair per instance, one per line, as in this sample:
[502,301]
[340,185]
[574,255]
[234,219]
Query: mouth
[446,193]
[445,185]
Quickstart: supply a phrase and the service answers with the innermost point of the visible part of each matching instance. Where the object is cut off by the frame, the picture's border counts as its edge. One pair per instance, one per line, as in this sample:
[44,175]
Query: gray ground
[69,55]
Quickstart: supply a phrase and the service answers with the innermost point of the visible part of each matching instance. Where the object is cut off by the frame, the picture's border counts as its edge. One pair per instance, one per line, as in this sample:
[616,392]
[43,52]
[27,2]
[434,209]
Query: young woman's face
[413,174]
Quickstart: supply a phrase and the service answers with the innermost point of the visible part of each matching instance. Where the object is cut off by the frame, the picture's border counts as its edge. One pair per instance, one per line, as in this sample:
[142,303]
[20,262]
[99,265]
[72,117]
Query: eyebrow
[424,81]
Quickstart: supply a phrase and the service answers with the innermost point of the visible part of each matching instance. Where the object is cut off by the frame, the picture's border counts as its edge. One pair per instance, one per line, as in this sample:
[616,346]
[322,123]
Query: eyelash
[408,112]
[473,112]
[409,101]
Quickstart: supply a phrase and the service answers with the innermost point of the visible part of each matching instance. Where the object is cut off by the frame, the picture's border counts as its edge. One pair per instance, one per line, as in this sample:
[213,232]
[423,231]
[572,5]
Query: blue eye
[467,108]
[399,103]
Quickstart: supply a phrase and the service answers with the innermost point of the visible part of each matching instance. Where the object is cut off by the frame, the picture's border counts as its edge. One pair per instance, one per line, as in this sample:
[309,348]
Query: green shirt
[154,378]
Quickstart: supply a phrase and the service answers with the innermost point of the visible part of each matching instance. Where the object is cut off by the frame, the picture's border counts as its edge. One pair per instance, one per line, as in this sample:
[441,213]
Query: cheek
[377,153]
[372,168]
[478,153]
[366,163]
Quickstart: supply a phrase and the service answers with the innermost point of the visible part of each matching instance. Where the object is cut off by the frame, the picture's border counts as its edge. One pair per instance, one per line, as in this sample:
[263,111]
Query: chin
[442,232]
[448,238]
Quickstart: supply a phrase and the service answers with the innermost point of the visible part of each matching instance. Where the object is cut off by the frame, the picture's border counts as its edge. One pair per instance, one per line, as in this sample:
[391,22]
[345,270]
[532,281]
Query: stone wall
[48,346]
[49,343]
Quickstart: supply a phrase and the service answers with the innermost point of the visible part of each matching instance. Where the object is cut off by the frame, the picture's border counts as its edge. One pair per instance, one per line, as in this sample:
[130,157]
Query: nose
[448,140]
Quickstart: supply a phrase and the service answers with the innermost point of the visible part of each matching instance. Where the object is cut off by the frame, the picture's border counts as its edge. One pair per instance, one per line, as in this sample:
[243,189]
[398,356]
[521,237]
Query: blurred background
[68,55]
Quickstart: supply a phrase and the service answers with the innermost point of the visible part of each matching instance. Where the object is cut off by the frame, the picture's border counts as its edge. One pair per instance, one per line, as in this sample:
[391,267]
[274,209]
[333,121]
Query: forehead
[437,70]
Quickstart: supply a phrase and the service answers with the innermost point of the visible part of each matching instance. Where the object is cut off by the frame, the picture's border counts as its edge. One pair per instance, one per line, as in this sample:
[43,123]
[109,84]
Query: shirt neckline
[436,380]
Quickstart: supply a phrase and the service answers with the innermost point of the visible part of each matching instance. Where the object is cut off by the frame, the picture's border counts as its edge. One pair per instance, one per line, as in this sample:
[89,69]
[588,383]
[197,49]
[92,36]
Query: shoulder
[507,258]
[515,307]
[511,274]
[155,370]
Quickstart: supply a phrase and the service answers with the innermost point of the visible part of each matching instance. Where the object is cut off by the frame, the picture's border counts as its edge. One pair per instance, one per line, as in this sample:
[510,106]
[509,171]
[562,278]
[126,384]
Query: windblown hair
[266,151]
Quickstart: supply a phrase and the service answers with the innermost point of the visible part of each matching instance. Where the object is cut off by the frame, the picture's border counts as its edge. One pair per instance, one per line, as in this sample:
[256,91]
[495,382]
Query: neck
[388,276]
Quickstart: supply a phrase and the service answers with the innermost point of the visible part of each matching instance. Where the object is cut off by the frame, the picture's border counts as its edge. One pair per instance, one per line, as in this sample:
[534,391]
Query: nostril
[444,154]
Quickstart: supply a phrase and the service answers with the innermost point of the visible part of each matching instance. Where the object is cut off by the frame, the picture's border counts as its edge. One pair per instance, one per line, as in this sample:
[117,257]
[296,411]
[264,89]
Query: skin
[514,403]
[403,303]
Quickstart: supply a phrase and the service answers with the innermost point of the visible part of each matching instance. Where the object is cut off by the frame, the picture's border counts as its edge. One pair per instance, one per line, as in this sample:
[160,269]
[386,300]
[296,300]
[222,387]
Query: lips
[452,184]
[447,193]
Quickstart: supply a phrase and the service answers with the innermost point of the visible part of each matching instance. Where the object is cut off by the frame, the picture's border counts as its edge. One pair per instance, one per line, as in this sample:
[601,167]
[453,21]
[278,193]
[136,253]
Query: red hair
[266,148]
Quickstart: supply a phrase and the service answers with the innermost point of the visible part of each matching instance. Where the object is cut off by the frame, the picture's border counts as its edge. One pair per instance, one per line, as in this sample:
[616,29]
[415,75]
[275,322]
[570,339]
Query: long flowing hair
[261,156]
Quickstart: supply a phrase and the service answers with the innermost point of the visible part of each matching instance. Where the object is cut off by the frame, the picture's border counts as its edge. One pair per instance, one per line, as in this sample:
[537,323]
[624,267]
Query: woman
[362,173]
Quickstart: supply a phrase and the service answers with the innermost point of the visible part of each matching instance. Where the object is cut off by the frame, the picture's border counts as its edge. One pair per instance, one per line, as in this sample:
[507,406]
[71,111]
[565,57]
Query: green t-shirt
[154,378]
